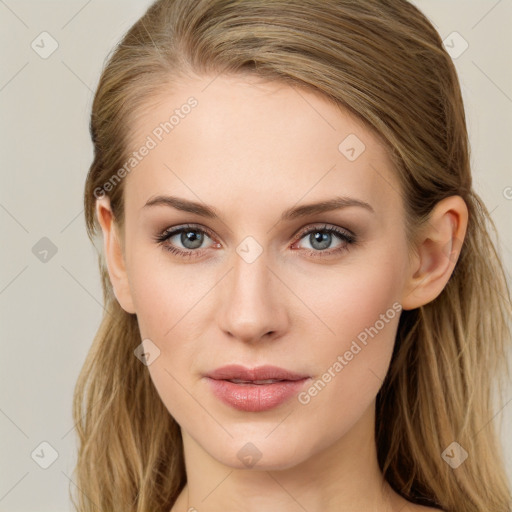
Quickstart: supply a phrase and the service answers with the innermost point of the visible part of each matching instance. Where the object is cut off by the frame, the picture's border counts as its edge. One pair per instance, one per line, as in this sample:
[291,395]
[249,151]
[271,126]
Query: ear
[114,255]
[437,249]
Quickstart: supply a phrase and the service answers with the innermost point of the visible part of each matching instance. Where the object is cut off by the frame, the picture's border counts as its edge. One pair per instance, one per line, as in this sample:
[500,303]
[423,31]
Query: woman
[304,308]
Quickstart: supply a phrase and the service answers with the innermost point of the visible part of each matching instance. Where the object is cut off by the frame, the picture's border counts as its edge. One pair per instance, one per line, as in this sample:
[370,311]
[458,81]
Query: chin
[260,453]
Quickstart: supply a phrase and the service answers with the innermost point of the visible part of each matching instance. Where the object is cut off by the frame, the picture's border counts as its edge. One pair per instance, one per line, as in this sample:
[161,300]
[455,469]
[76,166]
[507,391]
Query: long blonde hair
[384,62]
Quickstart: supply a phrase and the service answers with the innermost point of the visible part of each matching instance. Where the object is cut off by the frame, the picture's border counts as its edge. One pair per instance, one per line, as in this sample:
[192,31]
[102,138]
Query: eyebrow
[210,212]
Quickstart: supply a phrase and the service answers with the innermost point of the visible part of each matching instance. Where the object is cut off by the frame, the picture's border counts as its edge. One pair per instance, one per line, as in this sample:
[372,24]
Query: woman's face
[263,281]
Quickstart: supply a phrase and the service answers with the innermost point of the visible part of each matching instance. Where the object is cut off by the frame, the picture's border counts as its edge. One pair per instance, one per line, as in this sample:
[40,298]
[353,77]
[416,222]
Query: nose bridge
[250,273]
[251,307]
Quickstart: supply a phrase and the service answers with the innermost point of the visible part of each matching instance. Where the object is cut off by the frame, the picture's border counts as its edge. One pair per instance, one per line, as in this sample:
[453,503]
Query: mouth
[258,382]
[255,390]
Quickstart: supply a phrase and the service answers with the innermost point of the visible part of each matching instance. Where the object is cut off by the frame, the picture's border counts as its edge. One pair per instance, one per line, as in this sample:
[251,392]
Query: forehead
[240,142]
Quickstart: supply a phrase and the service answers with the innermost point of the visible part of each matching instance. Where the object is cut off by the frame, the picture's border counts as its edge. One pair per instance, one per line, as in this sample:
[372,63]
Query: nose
[253,305]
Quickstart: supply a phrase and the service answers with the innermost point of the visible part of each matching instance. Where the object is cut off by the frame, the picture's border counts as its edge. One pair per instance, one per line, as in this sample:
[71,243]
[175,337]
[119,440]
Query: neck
[343,476]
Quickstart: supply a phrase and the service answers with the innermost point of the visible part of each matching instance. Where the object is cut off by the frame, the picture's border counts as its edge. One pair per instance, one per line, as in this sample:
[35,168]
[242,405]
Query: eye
[191,239]
[321,238]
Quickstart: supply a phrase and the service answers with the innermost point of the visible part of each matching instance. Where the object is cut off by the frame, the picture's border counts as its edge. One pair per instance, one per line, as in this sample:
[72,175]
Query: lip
[236,371]
[251,397]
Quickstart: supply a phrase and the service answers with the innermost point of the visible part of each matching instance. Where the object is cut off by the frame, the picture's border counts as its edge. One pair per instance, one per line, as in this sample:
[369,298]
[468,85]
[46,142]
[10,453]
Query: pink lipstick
[257,389]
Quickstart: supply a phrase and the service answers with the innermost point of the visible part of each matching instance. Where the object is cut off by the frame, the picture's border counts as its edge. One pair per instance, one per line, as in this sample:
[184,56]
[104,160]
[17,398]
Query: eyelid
[166,233]
[322,226]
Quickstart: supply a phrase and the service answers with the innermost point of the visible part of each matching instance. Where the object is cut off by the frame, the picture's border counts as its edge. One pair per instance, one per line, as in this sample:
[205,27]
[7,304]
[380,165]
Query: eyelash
[346,237]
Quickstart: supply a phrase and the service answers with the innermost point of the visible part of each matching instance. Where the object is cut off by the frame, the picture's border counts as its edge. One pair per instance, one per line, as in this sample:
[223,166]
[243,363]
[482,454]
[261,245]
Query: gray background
[50,310]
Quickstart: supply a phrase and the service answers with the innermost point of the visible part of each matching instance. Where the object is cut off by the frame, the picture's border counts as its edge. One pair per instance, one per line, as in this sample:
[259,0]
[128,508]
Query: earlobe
[114,255]
[437,250]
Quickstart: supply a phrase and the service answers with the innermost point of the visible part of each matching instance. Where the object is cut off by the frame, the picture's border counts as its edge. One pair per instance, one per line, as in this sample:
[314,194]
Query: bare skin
[252,150]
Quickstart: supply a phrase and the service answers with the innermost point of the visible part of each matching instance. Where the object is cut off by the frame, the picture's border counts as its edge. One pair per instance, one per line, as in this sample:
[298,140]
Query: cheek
[167,299]
[165,294]
[363,309]
[348,300]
